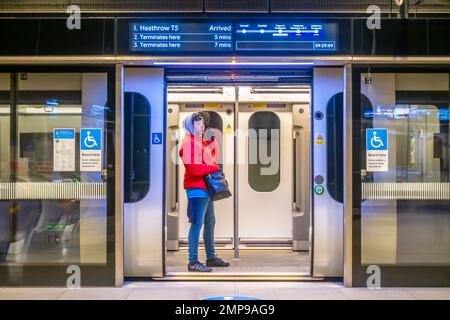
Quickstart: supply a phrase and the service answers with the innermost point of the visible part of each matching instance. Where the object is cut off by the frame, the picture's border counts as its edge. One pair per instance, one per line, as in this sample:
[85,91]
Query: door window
[264,151]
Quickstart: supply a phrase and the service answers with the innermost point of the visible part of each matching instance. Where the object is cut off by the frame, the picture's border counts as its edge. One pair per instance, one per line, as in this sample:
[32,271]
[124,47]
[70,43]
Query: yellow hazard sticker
[319,139]
[229,129]
[212,105]
[258,105]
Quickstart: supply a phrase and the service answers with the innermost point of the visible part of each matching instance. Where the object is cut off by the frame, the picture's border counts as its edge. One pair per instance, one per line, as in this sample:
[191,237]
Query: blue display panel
[286,36]
[187,36]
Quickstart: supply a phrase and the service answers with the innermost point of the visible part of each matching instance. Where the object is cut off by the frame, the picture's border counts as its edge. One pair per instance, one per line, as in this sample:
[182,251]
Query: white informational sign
[377,151]
[91,149]
[64,149]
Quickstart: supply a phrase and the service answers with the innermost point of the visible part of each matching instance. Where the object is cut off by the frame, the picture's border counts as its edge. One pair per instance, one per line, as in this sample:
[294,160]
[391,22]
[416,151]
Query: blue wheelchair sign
[91,139]
[157,138]
[377,139]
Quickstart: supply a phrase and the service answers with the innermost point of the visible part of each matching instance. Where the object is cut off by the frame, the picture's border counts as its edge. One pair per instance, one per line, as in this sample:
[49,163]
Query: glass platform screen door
[57,176]
[401,175]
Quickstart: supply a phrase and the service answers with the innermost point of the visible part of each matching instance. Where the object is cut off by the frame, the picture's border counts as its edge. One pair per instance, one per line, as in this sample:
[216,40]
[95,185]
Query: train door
[144,172]
[265,163]
[274,168]
[328,168]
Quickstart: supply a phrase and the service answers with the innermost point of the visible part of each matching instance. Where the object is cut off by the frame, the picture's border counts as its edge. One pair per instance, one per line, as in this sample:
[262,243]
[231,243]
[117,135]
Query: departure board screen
[286,36]
[187,36]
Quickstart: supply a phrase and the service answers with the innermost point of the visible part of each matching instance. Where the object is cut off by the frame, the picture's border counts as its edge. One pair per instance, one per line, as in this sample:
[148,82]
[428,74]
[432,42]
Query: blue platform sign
[377,150]
[91,149]
[63,134]
[91,139]
[157,138]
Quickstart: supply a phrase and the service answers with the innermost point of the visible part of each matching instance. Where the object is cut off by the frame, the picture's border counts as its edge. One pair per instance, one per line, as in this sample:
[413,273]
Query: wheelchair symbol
[376,142]
[157,138]
[89,141]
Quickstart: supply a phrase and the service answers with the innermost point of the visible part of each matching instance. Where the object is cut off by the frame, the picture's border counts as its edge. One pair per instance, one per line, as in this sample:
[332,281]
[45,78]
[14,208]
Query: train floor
[251,261]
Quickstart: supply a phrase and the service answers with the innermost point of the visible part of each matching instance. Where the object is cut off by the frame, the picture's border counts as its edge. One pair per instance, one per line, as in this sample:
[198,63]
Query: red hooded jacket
[199,158]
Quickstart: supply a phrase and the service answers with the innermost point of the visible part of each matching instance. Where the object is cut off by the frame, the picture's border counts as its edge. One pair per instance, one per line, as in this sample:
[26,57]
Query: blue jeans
[202,210]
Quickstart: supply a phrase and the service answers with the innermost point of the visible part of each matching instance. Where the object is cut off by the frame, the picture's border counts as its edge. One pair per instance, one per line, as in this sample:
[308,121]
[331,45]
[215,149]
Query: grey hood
[188,126]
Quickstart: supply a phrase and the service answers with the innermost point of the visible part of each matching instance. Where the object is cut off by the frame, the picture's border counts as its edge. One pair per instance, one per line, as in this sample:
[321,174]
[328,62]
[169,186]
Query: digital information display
[286,36]
[231,36]
[189,36]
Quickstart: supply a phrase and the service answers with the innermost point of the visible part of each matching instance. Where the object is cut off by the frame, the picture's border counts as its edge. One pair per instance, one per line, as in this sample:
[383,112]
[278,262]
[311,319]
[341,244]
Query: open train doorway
[285,219]
[264,136]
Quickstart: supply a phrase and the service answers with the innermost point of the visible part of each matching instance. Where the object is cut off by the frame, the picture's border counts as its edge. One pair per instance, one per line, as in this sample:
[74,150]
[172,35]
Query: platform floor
[251,261]
[196,290]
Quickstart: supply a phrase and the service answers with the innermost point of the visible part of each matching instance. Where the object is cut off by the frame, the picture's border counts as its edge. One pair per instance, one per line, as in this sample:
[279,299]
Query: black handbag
[217,186]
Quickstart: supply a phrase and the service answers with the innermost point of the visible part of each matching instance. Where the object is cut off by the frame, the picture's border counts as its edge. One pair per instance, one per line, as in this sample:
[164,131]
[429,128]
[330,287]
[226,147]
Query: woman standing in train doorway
[199,158]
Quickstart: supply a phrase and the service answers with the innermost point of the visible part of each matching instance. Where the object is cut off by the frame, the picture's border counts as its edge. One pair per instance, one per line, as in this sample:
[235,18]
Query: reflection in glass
[4,161]
[335,163]
[137,146]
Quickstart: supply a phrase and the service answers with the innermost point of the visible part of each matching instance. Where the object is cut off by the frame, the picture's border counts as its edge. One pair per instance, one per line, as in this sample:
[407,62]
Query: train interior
[264,230]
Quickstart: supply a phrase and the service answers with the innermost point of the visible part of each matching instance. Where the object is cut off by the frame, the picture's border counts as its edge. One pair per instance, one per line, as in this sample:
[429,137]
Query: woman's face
[199,127]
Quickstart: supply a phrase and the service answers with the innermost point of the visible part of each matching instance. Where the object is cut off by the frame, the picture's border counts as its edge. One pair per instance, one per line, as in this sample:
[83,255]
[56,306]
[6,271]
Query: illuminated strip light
[279,90]
[194,90]
[254,63]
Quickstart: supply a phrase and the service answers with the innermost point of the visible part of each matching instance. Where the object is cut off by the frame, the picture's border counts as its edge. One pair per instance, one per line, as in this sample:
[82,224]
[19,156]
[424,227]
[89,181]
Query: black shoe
[216,262]
[198,267]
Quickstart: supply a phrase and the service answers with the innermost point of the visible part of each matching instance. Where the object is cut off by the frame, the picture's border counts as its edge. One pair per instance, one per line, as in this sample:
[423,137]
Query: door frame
[236,168]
